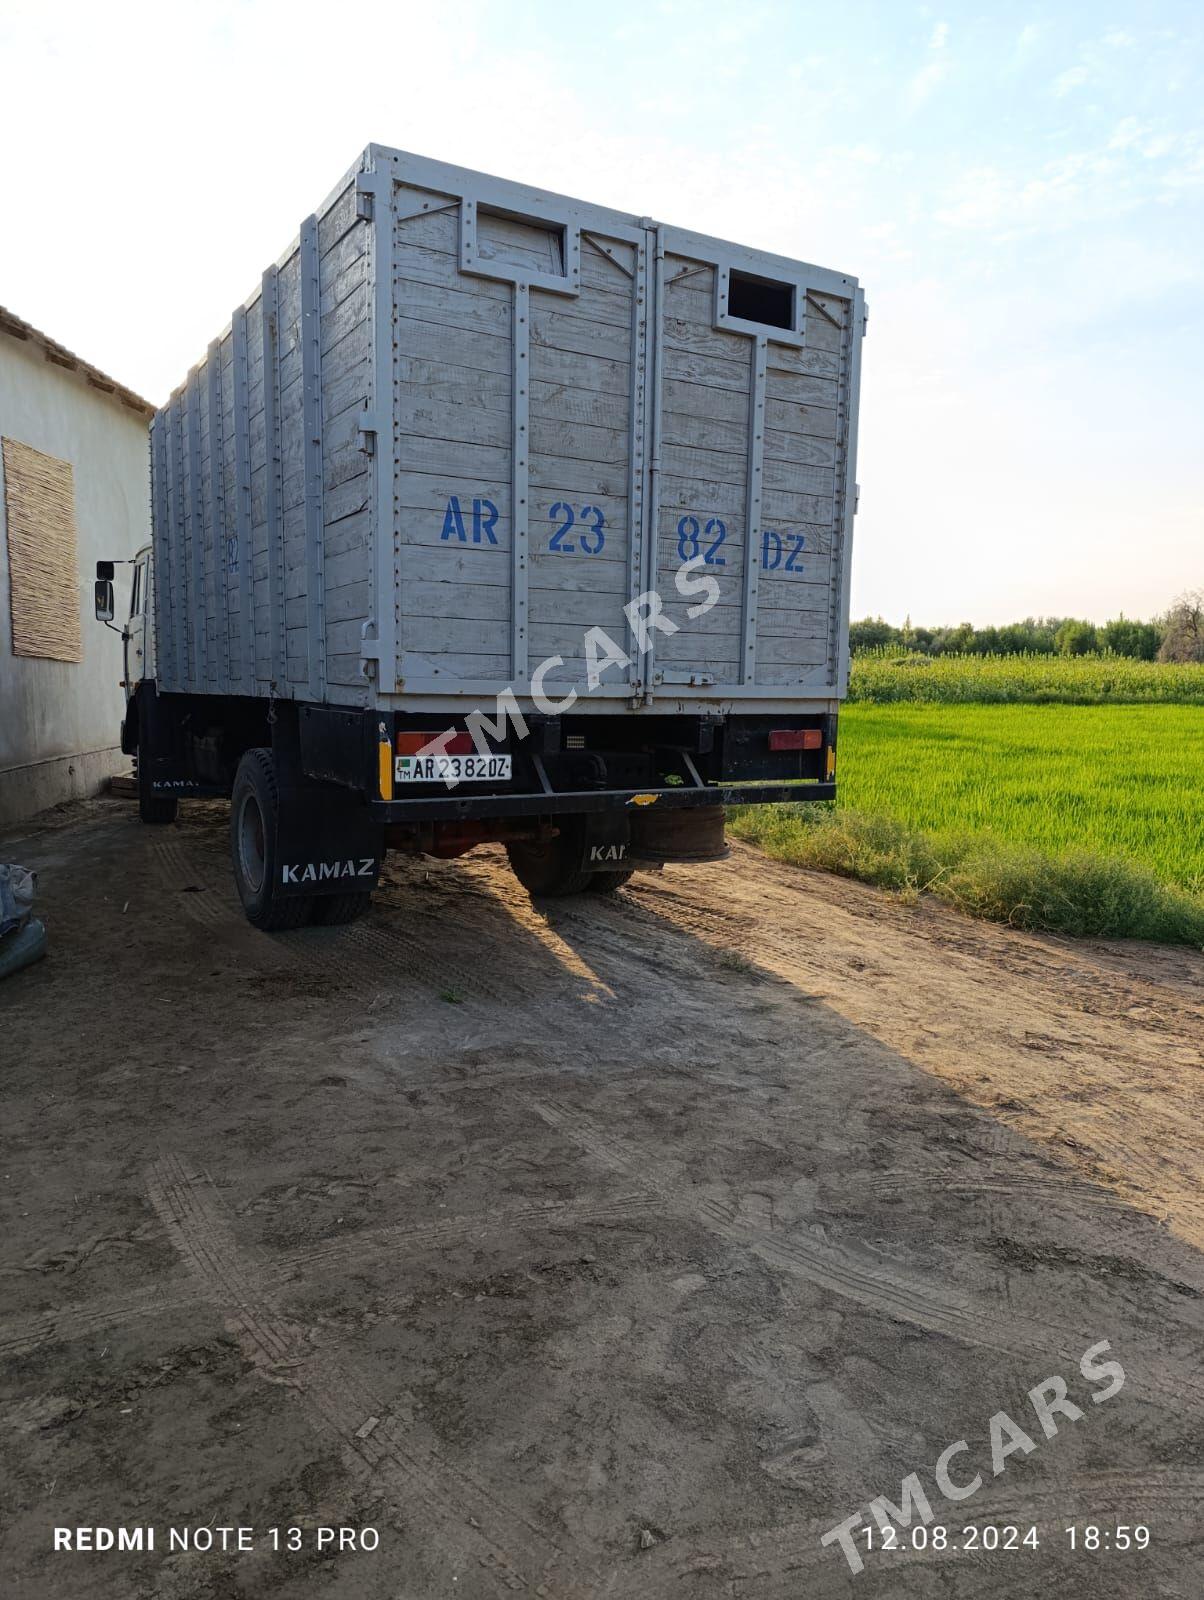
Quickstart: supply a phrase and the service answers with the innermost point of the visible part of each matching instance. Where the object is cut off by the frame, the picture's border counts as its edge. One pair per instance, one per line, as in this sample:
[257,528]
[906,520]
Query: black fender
[129,725]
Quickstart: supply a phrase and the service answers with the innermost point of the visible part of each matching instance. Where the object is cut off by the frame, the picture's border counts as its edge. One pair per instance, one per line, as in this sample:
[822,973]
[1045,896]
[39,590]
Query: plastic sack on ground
[22,936]
[21,948]
[17,886]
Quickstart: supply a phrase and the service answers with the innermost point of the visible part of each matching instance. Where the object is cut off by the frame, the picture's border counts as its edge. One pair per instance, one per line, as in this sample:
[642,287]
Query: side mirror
[104,599]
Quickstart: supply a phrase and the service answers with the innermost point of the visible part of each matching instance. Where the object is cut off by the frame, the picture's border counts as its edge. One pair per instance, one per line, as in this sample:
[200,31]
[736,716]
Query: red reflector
[459,744]
[796,739]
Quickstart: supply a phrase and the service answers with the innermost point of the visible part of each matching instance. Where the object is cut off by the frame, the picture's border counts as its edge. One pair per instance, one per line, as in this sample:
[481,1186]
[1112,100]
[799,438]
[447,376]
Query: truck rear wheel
[608,882]
[330,909]
[155,808]
[553,867]
[254,814]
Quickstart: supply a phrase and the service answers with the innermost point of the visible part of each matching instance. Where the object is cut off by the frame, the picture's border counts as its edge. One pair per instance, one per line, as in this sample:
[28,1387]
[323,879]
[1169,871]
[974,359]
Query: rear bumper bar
[436,808]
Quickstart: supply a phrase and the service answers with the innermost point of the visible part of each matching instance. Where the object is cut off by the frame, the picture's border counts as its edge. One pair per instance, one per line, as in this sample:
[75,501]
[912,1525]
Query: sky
[1020,190]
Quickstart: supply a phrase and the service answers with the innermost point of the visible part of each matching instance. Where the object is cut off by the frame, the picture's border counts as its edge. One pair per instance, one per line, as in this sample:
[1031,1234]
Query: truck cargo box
[463,421]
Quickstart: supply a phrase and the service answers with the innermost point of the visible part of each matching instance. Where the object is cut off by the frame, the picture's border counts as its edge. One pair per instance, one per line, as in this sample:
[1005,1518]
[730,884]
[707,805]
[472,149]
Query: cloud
[923,83]
[1072,78]
[1126,133]
[1130,169]
[1188,174]
[1055,196]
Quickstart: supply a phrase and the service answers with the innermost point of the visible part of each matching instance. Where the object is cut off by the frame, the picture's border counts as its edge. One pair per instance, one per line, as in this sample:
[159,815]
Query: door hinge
[368,431]
[367,186]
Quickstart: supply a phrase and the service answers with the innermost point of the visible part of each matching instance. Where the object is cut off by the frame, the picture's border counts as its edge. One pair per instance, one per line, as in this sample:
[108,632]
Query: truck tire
[608,882]
[155,808]
[254,808]
[553,868]
[330,909]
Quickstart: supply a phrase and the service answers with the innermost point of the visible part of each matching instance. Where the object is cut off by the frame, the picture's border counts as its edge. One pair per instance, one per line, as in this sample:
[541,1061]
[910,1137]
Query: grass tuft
[1079,893]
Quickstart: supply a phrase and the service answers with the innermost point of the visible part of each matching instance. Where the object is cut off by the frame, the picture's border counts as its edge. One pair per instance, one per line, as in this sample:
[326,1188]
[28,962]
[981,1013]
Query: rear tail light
[458,744]
[796,739]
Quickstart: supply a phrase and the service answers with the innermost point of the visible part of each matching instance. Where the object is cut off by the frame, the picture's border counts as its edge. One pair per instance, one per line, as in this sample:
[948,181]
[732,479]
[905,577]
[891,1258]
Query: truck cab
[138,678]
[138,634]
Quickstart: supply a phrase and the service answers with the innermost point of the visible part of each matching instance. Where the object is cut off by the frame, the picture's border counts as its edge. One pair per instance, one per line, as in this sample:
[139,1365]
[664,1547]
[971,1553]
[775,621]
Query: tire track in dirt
[1007,1185]
[376,954]
[362,958]
[861,1275]
[449,1231]
[498,938]
[377,948]
[1079,1058]
[766,938]
[1092,978]
[190,883]
[468,1521]
[19,1335]
[730,939]
[866,1281]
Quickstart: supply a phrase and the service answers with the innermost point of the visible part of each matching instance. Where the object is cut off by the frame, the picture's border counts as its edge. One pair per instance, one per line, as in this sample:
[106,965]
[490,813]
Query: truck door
[748,425]
[136,666]
[521,484]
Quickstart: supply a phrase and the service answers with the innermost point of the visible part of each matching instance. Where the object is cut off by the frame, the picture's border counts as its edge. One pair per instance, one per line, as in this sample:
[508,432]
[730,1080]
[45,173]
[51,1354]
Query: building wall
[60,720]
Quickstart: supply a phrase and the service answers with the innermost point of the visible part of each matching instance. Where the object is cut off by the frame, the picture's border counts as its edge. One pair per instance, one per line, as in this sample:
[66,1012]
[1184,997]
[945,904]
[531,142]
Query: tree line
[1178,635]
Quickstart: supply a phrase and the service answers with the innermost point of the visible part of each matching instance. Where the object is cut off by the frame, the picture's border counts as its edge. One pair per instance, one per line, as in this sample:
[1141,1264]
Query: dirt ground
[595,1248]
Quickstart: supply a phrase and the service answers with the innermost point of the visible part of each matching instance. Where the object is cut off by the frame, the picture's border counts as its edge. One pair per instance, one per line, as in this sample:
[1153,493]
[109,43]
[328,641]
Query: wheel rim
[250,843]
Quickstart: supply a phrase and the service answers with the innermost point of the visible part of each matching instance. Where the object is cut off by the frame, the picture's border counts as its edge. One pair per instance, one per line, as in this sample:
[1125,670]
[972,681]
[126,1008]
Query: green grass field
[883,676]
[1085,819]
[1120,780]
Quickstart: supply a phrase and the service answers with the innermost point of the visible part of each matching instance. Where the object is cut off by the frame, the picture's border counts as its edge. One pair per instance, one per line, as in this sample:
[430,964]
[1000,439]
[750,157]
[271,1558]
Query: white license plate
[451,769]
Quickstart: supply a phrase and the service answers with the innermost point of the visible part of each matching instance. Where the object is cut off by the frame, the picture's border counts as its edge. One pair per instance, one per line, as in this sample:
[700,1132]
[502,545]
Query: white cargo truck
[496,516]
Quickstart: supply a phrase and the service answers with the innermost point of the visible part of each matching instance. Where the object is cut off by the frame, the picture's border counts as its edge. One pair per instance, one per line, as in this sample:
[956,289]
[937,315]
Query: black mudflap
[327,840]
[606,841]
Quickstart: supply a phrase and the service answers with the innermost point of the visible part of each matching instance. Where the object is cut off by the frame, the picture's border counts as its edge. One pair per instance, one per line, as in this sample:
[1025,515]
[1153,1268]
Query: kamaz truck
[495,516]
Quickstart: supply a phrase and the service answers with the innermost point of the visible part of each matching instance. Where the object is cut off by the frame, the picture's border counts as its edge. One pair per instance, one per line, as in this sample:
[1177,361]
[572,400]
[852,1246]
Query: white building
[74,489]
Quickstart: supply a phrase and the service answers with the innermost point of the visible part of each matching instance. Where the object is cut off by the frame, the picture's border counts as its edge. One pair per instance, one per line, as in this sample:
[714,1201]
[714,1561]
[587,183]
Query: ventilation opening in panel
[755,299]
[520,242]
